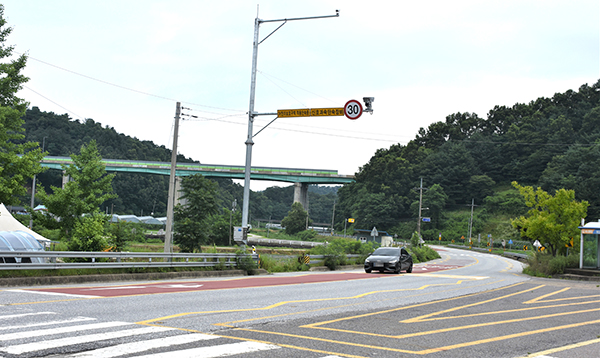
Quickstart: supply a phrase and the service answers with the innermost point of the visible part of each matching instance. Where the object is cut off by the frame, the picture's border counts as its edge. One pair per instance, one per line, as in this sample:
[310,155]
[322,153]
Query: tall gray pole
[471,222]
[252,114]
[33,191]
[171,198]
[249,142]
[420,203]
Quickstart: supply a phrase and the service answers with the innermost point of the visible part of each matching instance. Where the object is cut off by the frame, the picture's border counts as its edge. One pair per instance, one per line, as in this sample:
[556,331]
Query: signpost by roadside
[374,233]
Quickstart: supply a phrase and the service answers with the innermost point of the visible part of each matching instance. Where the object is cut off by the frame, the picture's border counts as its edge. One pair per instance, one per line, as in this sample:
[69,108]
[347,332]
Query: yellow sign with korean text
[310,112]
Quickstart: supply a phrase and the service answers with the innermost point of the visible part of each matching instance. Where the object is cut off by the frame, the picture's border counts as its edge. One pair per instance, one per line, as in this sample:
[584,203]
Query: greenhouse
[18,241]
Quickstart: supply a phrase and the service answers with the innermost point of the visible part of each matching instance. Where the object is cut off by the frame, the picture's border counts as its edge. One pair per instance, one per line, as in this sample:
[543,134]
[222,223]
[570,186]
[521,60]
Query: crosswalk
[41,334]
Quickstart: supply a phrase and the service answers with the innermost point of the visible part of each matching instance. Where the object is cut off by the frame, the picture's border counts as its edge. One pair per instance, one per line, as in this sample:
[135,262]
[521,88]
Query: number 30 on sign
[353,109]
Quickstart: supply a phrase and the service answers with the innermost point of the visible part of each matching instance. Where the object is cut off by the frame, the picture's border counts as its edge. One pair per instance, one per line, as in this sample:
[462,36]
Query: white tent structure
[9,223]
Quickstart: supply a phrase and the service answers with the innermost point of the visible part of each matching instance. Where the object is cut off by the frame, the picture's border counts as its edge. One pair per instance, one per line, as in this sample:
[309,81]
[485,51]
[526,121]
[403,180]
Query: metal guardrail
[320,258]
[515,255]
[282,243]
[52,260]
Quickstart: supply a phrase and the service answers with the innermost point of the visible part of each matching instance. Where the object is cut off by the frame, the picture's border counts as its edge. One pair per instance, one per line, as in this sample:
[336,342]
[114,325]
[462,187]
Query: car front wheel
[367,271]
[409,269]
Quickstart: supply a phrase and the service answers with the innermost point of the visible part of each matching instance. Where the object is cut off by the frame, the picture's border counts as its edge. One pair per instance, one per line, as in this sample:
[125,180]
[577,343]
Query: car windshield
[386,252]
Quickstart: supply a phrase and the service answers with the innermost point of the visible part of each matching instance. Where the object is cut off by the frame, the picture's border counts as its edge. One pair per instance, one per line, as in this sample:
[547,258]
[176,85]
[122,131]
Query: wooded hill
[549,142]
[143,194]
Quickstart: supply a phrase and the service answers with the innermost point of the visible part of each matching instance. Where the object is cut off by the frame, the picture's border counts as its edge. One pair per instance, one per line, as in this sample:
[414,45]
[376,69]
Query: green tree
[89,235]
[295,221]
[89,186]
[192,224]
[553,220]
[18,162]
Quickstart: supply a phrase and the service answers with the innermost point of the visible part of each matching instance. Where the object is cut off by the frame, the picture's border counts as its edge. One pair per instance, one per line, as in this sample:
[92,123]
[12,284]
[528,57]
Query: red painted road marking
[164,287]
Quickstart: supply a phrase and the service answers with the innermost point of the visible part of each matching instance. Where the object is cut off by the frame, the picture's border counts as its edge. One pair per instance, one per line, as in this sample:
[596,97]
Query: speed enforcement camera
[369,104]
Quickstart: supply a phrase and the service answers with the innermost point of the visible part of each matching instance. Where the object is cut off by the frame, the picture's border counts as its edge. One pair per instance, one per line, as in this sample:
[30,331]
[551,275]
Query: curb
[62,280]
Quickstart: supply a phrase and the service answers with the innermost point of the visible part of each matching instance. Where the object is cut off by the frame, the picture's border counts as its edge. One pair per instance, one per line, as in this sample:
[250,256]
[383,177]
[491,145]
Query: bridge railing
[55,260]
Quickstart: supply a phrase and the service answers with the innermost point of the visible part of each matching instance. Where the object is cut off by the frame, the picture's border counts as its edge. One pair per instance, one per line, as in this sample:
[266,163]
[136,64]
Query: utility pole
[252,114]
[332,217]
[171,198]
[471,220]
[420,206]
[33,190]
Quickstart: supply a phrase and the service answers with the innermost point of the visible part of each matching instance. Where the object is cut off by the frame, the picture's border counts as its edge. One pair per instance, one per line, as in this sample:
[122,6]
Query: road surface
[464,304]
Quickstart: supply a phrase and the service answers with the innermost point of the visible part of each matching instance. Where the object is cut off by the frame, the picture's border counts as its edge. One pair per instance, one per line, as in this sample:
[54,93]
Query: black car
[393,259]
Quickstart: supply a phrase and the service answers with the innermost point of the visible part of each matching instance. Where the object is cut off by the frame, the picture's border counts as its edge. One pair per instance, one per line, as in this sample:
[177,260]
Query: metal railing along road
[54,260]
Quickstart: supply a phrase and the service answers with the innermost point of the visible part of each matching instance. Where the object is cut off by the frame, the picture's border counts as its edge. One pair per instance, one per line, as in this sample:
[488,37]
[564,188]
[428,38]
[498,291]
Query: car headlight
[393,262]
[367,260]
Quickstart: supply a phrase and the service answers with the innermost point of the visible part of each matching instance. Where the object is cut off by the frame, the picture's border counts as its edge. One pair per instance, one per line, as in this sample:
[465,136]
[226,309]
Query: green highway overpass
[291,175]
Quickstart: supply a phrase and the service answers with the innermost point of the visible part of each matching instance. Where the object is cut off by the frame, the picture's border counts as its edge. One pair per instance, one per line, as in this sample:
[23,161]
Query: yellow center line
[282,303]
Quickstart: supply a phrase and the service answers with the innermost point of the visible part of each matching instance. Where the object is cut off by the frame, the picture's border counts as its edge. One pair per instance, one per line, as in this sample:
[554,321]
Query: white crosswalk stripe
[114,339]
[137,347]
[223,350]
[45,332]
[70,341]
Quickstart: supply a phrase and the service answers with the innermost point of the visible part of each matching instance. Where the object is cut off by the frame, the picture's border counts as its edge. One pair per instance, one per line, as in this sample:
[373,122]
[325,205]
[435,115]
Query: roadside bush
[307,235]
[337,249]
[272,264]
[544,265]
[423,254]
[245,262]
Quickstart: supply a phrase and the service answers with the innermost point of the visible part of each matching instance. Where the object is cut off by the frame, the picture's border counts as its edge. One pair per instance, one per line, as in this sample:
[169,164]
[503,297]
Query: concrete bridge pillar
[65,179]
[301,194]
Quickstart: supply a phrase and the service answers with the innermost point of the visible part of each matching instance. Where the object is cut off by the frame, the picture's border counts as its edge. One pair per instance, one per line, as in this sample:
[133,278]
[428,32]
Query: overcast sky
[126,63]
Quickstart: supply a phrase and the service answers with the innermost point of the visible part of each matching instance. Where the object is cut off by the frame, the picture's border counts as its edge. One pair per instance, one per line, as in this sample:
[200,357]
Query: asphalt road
[465,304]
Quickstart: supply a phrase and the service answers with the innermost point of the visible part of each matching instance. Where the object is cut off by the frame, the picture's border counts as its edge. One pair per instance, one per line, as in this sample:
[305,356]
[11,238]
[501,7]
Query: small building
[382,237]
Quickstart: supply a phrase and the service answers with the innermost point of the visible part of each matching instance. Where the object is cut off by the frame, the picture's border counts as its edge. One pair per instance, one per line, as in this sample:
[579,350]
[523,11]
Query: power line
[125,88]
[291,84]
[48,99]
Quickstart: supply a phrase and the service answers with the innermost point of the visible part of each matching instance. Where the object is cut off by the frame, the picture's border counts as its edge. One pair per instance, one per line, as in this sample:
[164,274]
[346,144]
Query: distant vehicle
[394,259]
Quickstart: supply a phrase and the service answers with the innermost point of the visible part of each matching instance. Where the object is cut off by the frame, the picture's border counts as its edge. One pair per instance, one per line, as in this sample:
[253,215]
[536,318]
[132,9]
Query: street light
[252,114]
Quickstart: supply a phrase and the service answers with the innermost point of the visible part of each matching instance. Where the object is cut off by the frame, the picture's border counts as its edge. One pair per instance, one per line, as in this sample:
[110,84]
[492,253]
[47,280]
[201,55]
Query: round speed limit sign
[353,109]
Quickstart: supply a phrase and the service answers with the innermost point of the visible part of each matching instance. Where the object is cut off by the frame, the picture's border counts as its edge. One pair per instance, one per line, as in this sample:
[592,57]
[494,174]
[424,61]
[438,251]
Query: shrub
[245,262]
[307,235]
[541,264]
[335,252]
[271,264]
[422,254]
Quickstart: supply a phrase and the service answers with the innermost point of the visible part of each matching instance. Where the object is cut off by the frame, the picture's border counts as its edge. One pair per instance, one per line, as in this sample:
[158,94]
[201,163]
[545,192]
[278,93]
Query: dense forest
[550,142]
[465,162]
[146,194]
